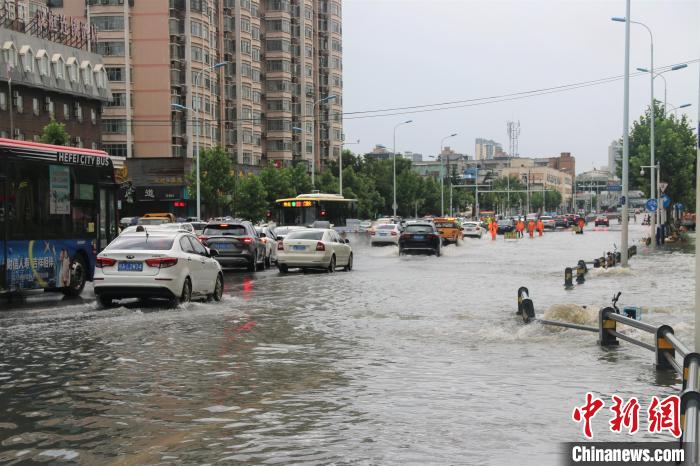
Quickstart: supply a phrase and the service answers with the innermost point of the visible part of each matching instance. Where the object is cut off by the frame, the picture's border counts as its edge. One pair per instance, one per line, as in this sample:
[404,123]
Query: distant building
[536,175]
[614,156]
[486,149]
[413,157]
[379,153]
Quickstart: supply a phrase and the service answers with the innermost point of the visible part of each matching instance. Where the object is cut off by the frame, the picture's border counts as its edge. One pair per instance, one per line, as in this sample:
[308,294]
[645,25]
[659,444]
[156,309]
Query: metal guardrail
[667,347]
[607,260]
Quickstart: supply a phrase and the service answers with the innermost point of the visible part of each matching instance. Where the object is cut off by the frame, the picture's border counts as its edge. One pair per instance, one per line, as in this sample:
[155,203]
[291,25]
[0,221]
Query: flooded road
[402,360]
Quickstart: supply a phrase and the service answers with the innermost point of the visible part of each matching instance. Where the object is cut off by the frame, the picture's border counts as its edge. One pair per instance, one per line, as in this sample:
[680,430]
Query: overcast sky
[403,52]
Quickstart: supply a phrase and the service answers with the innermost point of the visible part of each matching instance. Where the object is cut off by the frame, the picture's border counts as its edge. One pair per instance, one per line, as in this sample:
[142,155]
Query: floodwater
[405,360]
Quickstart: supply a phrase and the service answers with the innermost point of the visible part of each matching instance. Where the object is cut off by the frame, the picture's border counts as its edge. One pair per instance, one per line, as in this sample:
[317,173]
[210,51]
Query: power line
[426,108]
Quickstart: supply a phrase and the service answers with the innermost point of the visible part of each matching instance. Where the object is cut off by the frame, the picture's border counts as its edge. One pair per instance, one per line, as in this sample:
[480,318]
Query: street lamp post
[625,138]
[340,165]
[442,176]
[394,206]
[661,75]
[196,81]
[673,109]
[313,162]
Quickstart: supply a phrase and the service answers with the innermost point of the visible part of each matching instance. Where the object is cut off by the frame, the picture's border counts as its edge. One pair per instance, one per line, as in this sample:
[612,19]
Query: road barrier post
[526,309]
[596,263]
[605,325]
[664,346]
[580,274]
[568,278]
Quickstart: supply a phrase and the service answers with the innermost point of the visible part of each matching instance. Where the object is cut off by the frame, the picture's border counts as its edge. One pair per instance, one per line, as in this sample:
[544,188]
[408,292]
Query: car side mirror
[213,253]
[347,241]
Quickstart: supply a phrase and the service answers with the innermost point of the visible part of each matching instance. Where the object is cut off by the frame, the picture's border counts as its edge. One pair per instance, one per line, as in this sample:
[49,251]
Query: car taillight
[247,240]
[280,246]
[161,262]
[101,262]
[393,233]
[320,246]
[202,238]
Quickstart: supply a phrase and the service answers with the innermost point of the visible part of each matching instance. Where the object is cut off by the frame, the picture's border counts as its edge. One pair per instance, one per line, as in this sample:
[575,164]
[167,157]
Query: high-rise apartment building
[261,79]
[486,149]
[614,155]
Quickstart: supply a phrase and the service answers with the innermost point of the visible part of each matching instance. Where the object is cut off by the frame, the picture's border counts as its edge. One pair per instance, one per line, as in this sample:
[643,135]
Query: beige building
[276,98]
[539,176]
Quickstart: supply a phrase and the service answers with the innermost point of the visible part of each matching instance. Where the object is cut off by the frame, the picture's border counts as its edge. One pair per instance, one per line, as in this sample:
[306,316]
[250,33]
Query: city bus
[305,209]
[57,211]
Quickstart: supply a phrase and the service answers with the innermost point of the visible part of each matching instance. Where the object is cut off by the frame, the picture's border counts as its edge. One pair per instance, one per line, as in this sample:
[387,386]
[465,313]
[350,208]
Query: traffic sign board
[665,201]
[614,187]
[663,186]
[652,205]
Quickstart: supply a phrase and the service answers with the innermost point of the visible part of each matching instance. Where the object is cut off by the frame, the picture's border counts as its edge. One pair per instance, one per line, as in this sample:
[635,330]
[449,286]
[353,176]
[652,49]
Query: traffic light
[179,203]
[323,213]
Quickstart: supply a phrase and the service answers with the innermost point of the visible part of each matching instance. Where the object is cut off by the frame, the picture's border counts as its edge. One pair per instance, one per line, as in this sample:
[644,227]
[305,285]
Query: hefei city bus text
[58,209]
[305,209]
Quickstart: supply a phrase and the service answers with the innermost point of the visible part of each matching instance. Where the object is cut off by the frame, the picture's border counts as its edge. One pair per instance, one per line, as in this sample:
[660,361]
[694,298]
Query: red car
[602,220]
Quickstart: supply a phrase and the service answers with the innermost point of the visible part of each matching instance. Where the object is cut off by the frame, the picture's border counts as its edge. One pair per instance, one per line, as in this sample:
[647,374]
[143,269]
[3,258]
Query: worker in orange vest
[581,224]
[520,227]
[493,227]
[531,228]
[540,226]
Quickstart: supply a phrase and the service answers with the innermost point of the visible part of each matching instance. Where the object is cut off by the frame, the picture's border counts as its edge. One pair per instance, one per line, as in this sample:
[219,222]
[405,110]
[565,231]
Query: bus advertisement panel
[57,210]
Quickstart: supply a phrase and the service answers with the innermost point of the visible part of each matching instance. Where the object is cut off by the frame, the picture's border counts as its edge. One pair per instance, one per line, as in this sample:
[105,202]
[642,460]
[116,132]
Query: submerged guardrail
[607,260]
[666,348]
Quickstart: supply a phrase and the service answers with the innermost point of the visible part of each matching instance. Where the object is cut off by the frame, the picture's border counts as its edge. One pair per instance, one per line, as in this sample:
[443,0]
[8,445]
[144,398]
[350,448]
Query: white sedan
[472,229]
[163,264]
[385,234]
[314,248]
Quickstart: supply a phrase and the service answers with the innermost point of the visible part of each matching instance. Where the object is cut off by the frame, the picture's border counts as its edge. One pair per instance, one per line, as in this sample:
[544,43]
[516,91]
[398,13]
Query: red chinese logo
[626,415]
[587,412]
[664,415]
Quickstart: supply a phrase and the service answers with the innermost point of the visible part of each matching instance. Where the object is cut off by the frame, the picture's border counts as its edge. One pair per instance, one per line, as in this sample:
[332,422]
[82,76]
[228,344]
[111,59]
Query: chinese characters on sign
[662,415]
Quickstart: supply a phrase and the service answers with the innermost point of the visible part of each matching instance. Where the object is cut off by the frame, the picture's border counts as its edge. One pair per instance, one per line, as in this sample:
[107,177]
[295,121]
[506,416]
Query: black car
[420,237]
[237,243]
[505,226]
[561,221]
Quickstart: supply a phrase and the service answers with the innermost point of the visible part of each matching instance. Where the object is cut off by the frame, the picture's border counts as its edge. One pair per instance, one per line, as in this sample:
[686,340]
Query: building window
[27,59]
[256,54]
[309,147]
[78,111]
[66,111]
[93,116]
[10,55]
[118,100]
[245,46]
[42,60]
[255,33]
[110,48]
[279,65]
[49,107]
[245,24]
[277,5]
[108,23]
[278,25]
[116,150]
[35,106]
[3,101]
[87,73]
[72,66]
[115,73]
[114,126]
[59,67]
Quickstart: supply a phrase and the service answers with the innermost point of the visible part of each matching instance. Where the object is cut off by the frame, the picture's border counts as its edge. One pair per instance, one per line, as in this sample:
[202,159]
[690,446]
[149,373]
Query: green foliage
[251,198]
[217,182]
[55,133]
[674,143]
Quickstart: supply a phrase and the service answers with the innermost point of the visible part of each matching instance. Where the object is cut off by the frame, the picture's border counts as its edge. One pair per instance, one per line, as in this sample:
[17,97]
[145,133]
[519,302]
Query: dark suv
[237,243]
[420,237]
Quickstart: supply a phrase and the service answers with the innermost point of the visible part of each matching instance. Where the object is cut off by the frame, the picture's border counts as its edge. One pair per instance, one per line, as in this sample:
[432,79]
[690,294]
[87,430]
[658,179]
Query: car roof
[159,233]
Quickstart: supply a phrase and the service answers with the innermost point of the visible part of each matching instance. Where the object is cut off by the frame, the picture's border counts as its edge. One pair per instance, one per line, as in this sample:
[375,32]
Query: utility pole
[626,141]
[697,246]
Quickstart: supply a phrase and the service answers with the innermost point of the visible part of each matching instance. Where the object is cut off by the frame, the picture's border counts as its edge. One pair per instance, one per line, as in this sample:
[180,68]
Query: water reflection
[395,362]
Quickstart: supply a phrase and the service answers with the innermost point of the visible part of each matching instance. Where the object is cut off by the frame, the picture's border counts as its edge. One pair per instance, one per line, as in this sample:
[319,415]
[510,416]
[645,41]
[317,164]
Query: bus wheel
[78,277]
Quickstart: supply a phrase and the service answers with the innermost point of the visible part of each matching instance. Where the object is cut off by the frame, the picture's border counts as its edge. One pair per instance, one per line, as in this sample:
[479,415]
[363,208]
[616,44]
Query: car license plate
[299,248]
[382,234]
[130,266]
[223,246]
[419,237]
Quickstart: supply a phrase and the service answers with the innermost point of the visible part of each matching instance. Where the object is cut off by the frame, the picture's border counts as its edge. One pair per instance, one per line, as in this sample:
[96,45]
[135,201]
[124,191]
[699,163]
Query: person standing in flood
[493,228]
[540,226]
[531,228]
